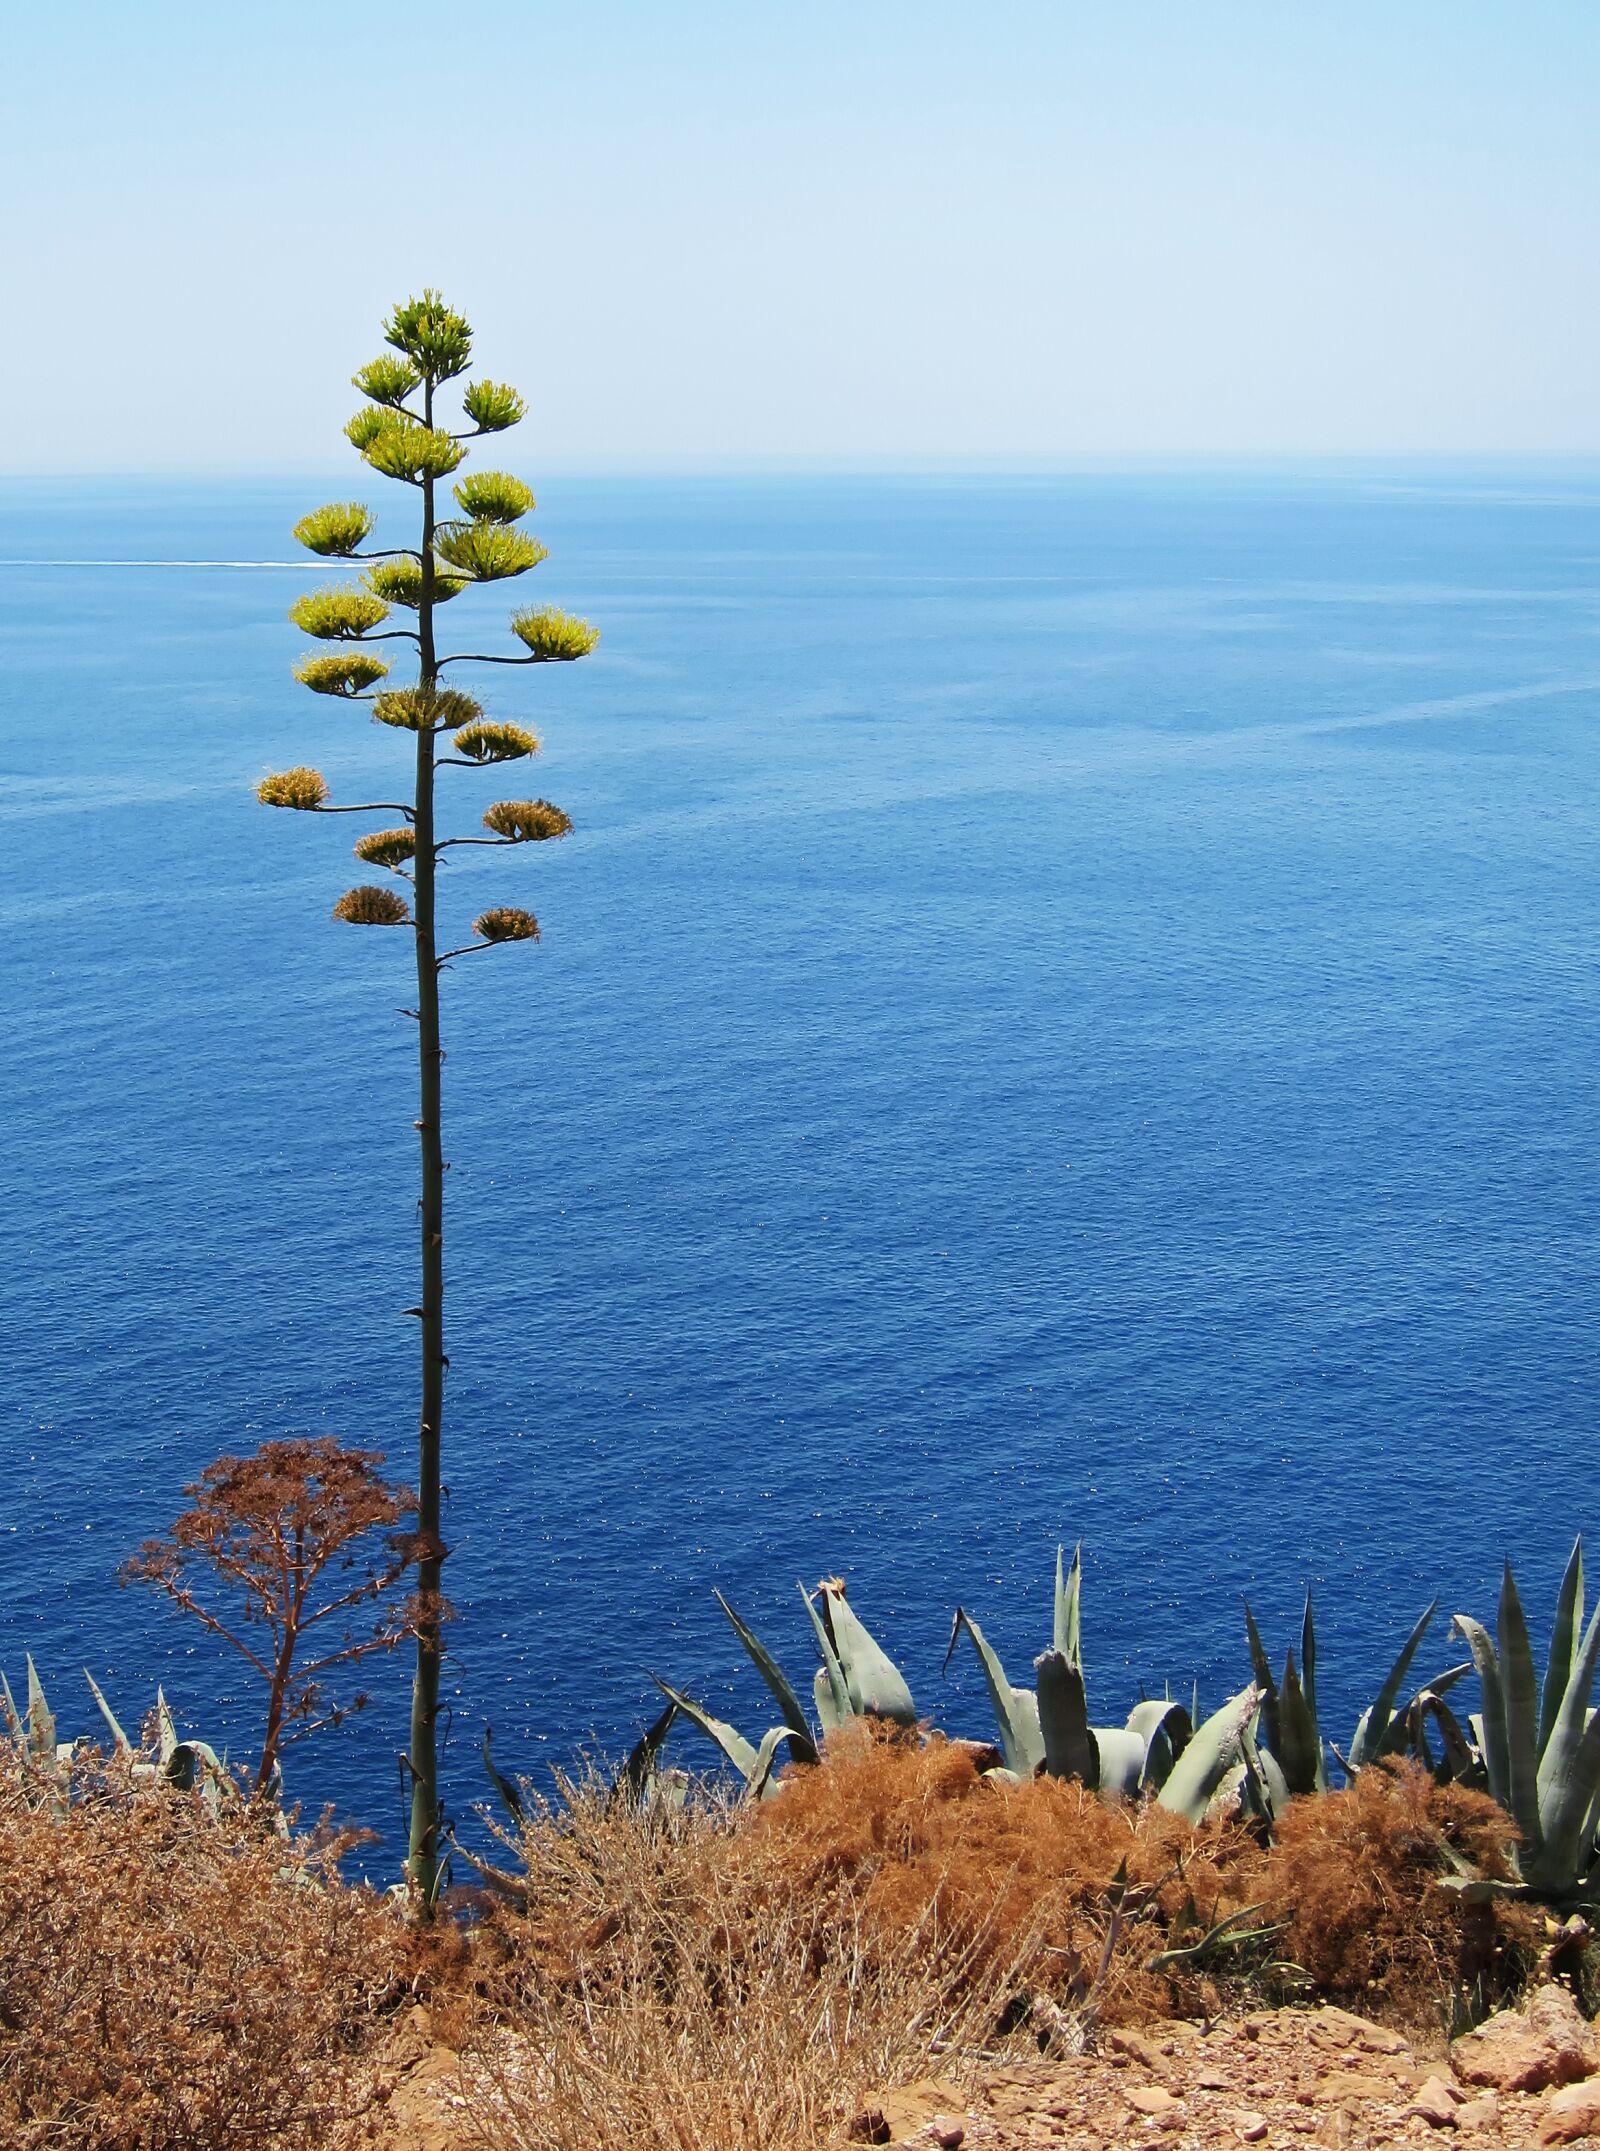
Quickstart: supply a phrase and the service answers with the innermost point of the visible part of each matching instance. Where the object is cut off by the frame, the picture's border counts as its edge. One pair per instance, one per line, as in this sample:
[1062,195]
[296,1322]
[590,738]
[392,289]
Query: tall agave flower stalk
[403,432]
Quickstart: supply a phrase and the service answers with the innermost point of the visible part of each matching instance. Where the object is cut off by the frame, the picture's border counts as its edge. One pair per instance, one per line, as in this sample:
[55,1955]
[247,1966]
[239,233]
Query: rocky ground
[1280,2079]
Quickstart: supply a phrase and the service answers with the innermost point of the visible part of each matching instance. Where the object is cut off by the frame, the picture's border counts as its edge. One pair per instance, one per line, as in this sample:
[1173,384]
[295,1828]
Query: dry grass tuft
[169,1981]
[1359,1874]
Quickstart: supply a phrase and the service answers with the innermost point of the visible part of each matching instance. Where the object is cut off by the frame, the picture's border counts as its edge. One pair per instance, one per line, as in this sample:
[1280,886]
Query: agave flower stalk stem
[423,1862]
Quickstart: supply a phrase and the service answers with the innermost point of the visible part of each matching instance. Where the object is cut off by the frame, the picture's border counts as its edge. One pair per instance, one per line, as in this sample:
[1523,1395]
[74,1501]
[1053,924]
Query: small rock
[1545,2042]
[1155,2101]
[1348,2087]
[1138,2048]
[1212,2080]
[1436,2104]
[1342,2028]
[870,2127]
[948,2135]
[1250,2128]
[1481,2113]
[1571,2115]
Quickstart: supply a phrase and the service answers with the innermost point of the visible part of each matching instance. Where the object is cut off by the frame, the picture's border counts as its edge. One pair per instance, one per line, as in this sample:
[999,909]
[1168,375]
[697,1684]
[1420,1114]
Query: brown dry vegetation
[726,1978]
[734,1981]
[169,1982]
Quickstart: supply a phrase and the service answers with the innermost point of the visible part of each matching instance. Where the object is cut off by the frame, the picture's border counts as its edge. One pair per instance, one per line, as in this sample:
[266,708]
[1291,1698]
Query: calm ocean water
[1071,1010]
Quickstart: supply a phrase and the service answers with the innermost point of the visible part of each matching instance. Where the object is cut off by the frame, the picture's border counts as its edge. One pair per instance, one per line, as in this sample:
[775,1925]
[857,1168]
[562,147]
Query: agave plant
[186,1765]
[1291,1753]
[1538,1743]
[1046,1727]
[856,1680]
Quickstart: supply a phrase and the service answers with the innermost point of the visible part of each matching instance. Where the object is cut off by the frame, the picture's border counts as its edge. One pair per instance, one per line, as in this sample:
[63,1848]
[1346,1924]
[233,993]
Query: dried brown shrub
[677,1980]
[170,1982]
[1359,1875]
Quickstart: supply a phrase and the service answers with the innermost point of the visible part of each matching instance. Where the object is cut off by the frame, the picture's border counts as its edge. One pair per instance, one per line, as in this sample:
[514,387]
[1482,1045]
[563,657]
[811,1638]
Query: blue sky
[705,233]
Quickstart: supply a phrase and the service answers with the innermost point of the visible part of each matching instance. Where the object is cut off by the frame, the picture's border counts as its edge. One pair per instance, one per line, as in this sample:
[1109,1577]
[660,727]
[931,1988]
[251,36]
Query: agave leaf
[1521,1687]
[1491,1726]
[632,1781]
[1299,1749]
[762,1784]
[1372,1735]
[1121,1755]
[1460,1763]
[1555,1787]
[732,1742]
[1563,1643]
[1067,1635]
[1561,1861]
[829,1716]
[1268,1786]
[1210,1758]
[166,1731]
[123,1745]
[41,1720]
[1308,1664]
[510,1798]
[1016,1712]
[1261,1665]
[840,1707]
[876,1684]
[13,1718]
[1070,1748]
[1165,1730]
[1229,1795]
[772,1673]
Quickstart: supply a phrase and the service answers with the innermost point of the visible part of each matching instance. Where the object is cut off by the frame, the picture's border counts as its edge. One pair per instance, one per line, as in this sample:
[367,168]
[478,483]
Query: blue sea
[1071,1010]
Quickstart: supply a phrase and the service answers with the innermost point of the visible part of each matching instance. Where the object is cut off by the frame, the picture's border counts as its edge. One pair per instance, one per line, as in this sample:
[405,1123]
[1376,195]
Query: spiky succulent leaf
[403,449]
[1299,1745]
[488,552]
[492,406]
[1067,1635]
[1564,1643]
[399,581]
[506,923]
[877,1687]
[387,380]
[120,1740]
[1261,1666]
[1211,1757]
[777,1682]
[1492,1736]
[1373,1734]
[339,613]
[41,1720]
[495,742]
[335,531]
[368,906]
[303,789]
[425,709]
[527,821]
[1567,1787]
[387,847]
[509,1796]
[347,674]
[554,637]
[1070,1748]
[494,497]
[838,1709]
[632,1782]
[436,339]
[1521,1689]
[1165,1729]
[1121,1758]
[728,1738]
[1016,1710]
